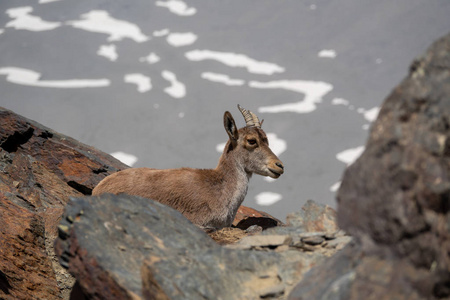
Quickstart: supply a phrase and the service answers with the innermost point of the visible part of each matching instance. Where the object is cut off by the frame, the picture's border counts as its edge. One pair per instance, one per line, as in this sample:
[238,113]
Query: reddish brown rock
[26,271]
[246,217]
[39,170]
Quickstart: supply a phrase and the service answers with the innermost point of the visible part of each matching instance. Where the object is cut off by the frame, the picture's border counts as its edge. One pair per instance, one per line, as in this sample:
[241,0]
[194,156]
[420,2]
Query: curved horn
[250,118]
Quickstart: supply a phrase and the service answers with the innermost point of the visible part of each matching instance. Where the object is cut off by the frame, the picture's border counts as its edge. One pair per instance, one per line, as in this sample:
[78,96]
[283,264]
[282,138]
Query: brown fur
[207,197]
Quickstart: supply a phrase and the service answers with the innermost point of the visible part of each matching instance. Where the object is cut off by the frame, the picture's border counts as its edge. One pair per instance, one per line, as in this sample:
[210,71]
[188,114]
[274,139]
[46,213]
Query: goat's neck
[235,179]
[232,167]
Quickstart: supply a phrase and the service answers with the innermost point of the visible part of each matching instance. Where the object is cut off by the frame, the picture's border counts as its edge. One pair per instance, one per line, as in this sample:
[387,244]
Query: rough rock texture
[395,199]
[39,170]
[141,249]
[314,217]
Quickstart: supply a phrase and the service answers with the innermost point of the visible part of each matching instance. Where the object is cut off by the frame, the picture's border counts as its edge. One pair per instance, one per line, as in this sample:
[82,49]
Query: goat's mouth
[274,174]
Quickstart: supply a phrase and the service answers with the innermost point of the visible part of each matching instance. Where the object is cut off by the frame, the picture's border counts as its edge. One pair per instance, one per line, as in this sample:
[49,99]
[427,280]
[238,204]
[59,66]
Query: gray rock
[265,240]
[338,242]
[332,280]
[142,249]
[313,240]
[395,199]
[313,217]
[254,229]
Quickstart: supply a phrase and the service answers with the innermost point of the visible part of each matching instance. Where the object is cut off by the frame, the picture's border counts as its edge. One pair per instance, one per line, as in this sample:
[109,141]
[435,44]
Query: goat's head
[251,146]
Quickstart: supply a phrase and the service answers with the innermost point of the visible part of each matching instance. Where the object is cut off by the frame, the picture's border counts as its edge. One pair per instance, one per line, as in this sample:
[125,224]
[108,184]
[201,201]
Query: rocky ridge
[40,169]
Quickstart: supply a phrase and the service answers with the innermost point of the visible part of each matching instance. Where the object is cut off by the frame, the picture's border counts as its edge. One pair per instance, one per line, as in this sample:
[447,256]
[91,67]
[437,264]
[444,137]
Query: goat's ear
[230,127]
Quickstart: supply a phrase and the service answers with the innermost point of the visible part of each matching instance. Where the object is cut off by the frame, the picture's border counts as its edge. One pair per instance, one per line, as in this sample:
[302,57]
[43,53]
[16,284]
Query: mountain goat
[207,197]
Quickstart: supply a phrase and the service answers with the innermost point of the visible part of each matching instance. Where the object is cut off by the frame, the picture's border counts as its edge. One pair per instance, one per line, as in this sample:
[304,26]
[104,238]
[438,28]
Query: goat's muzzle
[276,169]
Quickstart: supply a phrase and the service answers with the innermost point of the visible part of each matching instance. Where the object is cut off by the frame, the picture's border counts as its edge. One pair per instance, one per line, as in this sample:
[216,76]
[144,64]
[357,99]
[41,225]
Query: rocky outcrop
[39,170]
[395,199]
[124,247]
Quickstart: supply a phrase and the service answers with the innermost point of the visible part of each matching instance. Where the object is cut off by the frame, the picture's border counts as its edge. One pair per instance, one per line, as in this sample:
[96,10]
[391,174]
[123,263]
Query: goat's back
[185,189]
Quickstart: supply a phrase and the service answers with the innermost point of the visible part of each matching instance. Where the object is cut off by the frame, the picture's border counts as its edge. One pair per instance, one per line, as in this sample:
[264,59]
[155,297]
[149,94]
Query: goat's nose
[279,164]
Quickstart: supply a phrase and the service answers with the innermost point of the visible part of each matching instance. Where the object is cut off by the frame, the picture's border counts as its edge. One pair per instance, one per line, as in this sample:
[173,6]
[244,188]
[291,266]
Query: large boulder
[125,247]
[395,199]
[39,170]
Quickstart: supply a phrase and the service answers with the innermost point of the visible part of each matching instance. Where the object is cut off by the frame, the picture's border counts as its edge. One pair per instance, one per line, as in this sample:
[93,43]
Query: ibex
[209,198]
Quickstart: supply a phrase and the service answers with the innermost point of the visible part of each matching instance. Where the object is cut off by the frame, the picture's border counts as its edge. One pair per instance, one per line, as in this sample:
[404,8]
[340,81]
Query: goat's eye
[252,141]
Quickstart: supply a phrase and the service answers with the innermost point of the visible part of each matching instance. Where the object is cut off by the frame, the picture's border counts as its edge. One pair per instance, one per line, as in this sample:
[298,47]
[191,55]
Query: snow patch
[32,78]
[144,83]
[177,7]
[349,156]
[24,21]
[340,101]
[100,21]
[327,53]
[371,114]
[220,147]
[178,39]
[335,187]
[162,32]
[235,60]
[313,91]
[267,198]
[222,78]
[126,158]
[108,51]
[152,58]
[177,89]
